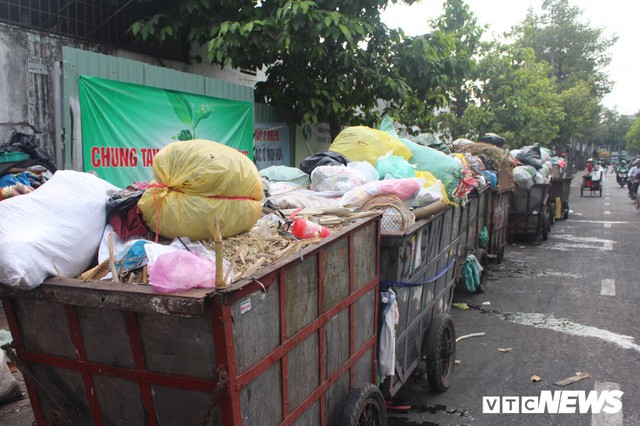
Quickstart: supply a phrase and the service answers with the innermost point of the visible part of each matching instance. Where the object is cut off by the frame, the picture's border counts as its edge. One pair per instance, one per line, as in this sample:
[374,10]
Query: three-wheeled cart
[498,221]
[419,265]
[559,196]
[590,186]
[528,213]
[295,344]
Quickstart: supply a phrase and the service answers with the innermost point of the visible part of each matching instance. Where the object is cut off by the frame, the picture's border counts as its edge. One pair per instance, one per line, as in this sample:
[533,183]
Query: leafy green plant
[189,113]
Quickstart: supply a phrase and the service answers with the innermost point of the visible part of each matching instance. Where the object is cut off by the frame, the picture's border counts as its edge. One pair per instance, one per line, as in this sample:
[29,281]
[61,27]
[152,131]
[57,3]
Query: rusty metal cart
[559,196]
[498,226]
[474,216]
[528,212]
[296,344]
[419,264]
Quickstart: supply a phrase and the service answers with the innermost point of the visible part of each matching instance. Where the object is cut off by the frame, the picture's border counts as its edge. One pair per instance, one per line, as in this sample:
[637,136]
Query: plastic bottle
[303,228]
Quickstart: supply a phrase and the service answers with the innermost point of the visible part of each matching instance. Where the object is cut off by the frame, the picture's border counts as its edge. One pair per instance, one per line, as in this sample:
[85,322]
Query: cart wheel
[565,214]
[441,352]
[364,406]
[545,227]
[500,254]
[600,191]
[582,191]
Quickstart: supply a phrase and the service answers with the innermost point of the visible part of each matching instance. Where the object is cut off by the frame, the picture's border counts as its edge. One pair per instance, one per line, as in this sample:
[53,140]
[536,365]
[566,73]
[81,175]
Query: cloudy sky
[615,17]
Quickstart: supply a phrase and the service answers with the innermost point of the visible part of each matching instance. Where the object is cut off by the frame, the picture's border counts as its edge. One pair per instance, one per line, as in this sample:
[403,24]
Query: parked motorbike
[621,178]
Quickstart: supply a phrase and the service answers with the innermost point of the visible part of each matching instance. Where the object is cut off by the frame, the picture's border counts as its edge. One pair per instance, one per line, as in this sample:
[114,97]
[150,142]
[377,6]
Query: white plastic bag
[336,178]
[54,230]
[387,354]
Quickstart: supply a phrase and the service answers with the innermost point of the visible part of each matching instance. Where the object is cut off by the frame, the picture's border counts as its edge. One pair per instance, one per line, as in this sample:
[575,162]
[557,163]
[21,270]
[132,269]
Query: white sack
[54,230]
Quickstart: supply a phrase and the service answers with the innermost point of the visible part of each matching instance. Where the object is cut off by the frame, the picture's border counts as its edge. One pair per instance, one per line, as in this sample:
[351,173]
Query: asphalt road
[552,309]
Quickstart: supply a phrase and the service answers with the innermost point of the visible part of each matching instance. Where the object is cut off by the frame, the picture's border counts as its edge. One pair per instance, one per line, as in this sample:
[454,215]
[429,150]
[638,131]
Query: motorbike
[621,178]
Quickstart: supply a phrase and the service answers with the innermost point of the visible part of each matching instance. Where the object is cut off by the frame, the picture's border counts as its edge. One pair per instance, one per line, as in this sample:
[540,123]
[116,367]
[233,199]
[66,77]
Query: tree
[613,129]
[325,60]
[576,51]
[633,136]
[515,98]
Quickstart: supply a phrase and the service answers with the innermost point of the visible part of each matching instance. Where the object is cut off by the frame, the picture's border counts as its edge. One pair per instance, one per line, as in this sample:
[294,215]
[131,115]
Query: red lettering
[105,156]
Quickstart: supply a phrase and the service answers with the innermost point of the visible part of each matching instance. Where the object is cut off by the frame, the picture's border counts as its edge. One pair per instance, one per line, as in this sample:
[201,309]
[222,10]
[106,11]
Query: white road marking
[565,326]
[576,242]
[607,204]
[602,418]
[608,287]
[607,212]
[558,274]
[616,222]
[607,225]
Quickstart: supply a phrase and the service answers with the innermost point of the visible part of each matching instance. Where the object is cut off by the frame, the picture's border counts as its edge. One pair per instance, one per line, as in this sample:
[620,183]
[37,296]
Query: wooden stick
[112,258]
[217,245]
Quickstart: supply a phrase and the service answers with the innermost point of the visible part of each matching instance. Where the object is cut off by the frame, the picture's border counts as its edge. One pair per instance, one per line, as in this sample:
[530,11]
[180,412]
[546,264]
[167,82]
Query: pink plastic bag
[181,270]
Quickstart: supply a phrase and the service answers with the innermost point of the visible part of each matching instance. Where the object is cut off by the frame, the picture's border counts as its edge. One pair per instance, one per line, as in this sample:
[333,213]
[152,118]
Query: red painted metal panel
[138,356]
[78,344]
[321,348]
[19,345]
[284,365]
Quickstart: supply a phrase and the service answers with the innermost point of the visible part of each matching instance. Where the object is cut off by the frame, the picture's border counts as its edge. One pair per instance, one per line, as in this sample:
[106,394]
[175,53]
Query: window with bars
[100,21]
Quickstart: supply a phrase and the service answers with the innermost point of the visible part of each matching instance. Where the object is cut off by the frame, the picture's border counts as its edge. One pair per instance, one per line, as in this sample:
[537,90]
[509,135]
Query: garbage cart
[498,227]
[528,212]
[473,217]
[419,265]
[295,344]
[559,197]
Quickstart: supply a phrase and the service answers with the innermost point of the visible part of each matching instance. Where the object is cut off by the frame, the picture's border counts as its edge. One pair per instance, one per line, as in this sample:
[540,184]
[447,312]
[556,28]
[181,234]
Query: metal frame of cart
[499,221]
[559,196]
[528,213]
[295,344]
[419,264]
[592,186]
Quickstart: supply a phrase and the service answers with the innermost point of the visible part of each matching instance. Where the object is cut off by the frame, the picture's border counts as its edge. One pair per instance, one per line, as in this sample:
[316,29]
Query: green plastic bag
[394,167]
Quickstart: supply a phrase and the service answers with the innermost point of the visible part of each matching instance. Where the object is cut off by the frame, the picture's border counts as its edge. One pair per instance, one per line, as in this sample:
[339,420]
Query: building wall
[31,83]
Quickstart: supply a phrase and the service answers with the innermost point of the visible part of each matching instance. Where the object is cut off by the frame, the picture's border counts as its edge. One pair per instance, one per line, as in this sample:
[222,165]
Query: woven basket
[396,216]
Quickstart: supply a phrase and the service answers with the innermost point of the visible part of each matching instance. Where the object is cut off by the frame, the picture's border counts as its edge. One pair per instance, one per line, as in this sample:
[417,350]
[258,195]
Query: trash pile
[536,165]
[209,218]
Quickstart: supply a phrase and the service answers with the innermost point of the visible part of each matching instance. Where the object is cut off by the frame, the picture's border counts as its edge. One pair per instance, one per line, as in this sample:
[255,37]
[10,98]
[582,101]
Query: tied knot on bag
[155,187]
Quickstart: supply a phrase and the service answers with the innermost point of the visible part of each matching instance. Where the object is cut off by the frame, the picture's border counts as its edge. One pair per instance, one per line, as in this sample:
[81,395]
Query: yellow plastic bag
[196,181]
[362,143]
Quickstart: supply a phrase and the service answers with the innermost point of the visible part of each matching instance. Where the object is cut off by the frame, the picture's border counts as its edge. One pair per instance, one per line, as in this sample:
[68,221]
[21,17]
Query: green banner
[124,125]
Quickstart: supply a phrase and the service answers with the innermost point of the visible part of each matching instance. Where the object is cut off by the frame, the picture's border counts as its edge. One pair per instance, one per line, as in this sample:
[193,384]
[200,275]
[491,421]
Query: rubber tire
[565,214]
[364,406]
[441,352]
[545,227]
[582,192]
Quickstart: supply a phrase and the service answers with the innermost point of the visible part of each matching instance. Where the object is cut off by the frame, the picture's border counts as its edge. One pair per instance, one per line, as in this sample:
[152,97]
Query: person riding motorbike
[622,172]
[634,179]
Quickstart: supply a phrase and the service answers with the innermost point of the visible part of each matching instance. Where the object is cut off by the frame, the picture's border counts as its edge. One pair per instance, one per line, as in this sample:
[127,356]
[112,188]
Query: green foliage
[576,51]
[325,60]
[437,67]
[515,98]
[633,137]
